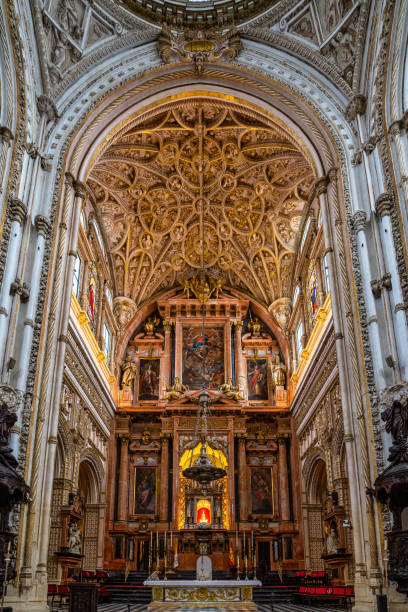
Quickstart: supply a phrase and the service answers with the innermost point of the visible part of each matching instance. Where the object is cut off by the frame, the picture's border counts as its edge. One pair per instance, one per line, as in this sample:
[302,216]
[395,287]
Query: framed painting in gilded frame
[203,357]
[262,491]
[145,497]
[149,377]
[257,379]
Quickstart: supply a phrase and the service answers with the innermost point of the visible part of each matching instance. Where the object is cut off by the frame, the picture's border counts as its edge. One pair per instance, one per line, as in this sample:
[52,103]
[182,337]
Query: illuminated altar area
[156,515]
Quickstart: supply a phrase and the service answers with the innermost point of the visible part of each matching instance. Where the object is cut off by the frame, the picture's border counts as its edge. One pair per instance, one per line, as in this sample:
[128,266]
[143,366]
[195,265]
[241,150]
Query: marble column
[240,366]
[164,480]
[243,480]
[165,366]
[18,214]
[283,482]
[123,493]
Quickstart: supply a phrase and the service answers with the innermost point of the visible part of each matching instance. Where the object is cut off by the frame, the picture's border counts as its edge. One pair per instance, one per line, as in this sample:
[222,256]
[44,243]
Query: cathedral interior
[203,305]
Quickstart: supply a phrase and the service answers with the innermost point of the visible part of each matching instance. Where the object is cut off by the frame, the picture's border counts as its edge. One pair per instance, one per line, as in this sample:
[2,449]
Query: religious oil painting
[257,376]
[203,357]
[261,491]
[312,290]
[149,379]
[93,295]
[145,490]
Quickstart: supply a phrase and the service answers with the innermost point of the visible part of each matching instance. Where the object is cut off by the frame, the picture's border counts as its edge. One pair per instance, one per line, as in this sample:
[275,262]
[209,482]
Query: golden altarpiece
[252,512]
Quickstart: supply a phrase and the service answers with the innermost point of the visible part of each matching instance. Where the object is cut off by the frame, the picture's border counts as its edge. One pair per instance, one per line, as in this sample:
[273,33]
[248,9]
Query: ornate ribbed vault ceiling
[146,185]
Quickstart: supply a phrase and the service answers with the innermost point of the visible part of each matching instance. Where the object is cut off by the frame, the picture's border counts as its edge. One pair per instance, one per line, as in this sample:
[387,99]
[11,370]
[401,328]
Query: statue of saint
[150,326]
[176,391]
[278,370]
[74,539]
[230,391]
[129,370]
[332,542]
[254,326]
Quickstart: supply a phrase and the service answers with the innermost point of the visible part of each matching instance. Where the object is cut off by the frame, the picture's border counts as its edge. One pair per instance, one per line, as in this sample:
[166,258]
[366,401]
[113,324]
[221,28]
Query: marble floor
[114,607]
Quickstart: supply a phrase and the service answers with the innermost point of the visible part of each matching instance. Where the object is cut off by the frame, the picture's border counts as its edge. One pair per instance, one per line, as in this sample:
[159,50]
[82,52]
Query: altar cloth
[209,595]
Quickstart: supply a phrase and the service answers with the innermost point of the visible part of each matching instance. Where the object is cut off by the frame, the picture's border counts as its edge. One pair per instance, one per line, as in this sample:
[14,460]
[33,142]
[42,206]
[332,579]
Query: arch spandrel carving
[146,184]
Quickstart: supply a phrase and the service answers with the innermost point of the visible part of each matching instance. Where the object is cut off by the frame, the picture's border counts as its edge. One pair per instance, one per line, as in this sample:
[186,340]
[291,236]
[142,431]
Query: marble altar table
[209,595]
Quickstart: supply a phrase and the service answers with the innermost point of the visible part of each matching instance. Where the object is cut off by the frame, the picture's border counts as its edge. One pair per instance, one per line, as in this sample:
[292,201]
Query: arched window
[107,341]
[326,274]
[99,236]
[298,337]
[109,297]
[77,275]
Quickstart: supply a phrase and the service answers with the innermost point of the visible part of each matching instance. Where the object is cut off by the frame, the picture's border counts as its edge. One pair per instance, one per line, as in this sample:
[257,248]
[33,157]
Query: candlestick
[244,542]
[246,568]
[171,540]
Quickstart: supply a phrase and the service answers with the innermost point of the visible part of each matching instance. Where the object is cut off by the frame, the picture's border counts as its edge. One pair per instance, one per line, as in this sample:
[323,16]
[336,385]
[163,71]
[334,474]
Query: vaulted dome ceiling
[198,13]
[146,186]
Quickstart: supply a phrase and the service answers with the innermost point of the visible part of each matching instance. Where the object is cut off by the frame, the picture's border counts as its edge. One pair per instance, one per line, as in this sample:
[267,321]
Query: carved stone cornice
[18,210]
[359,221]
[357,106]
[42,225]
[6,135]
[47,107]
[383,205]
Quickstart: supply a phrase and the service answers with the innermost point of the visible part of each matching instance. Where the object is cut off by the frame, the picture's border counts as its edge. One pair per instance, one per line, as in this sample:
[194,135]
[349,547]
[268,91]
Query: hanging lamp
[203,469]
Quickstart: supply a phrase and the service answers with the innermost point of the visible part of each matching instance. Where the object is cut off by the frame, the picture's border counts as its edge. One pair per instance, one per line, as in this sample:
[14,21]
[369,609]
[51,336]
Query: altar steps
[132,591]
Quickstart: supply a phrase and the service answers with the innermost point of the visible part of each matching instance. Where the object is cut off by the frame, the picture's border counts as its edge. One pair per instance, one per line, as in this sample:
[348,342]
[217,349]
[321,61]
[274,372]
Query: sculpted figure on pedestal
[332,543]
[74,539]
[176,391]
[129,371]
[230,391]
[278,370]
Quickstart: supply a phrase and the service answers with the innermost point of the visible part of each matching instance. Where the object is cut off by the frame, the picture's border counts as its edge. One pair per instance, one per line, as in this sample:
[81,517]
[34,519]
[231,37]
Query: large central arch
[297,101]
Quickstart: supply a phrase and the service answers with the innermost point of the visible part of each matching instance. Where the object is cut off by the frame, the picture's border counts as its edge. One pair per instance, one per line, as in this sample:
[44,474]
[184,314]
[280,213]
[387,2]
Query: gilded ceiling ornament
[202,289]
[147,188]
[199,46]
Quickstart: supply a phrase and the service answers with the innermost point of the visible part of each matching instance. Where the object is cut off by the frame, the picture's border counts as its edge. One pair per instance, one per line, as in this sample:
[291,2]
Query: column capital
[359,221]
[167,325]
[124,439]
[383,205]
[282,441]
[18,210]
[357,106]
[47,107]
[42,225]
[6,135]
[80,189]
[321,186]
[237,325]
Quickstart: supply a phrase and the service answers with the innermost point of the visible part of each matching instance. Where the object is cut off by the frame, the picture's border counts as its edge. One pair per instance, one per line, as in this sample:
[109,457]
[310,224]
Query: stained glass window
[93,295]
[77,275]
[312,288]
